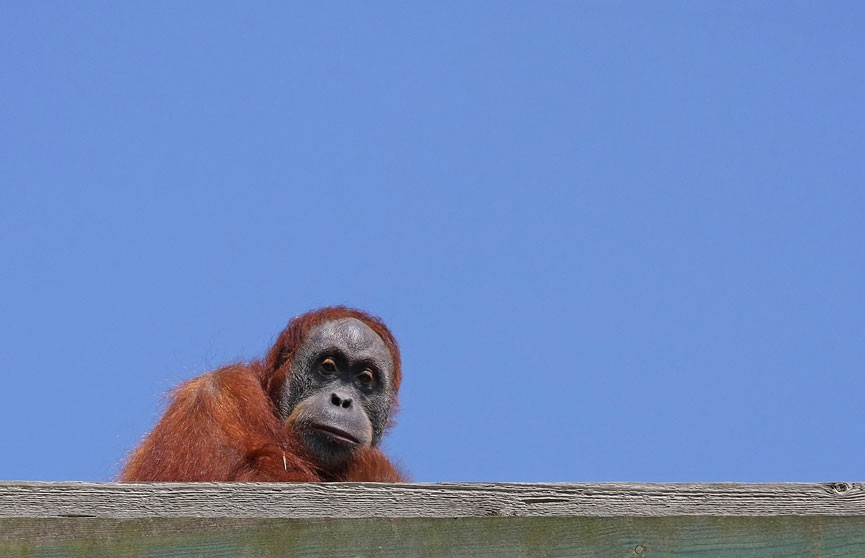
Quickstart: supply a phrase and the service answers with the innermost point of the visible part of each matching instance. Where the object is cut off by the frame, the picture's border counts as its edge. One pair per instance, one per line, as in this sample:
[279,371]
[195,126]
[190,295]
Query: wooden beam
[453,519]
[445,500]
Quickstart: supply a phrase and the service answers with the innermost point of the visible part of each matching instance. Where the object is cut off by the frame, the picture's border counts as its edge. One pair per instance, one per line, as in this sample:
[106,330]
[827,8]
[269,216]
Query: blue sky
[616,240]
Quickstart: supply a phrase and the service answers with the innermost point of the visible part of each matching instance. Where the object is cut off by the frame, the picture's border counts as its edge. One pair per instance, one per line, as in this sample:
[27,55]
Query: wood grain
[42,520]
[446,500]
[595,537]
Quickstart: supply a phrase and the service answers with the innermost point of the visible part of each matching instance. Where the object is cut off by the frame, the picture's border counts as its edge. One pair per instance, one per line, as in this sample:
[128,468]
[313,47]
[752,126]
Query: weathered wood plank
[447,500]
[42,520]
[581,537]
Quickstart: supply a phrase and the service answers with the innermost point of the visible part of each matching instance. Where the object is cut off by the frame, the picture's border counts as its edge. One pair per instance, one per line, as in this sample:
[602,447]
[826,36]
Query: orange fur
[223,426]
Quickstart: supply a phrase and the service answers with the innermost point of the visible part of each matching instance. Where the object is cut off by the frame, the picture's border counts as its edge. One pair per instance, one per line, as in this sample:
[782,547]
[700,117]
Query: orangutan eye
[328,366]
[367,378]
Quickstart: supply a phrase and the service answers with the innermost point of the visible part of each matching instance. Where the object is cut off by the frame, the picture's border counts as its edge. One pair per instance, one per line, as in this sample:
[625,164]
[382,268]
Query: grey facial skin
[339,394]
